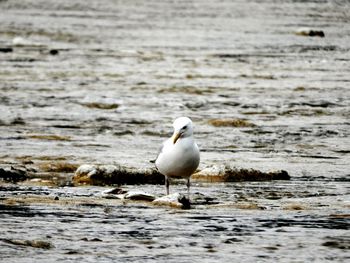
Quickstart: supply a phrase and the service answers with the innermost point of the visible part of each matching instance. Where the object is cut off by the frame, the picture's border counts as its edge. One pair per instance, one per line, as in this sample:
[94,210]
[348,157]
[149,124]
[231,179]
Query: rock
[18,121]
[91,240]
[118,175]
[20,41]
[342,216]
[115,174]
[226,173]
[139,195]
[102,103]
[48,137]
[230,123]
[13,175]
[54,52]
[118,193]
[309,32]
[115,193]
[338,242]
[213,173]
[58,167]
[6,49]
[175,200]
[30,243]
[232,240]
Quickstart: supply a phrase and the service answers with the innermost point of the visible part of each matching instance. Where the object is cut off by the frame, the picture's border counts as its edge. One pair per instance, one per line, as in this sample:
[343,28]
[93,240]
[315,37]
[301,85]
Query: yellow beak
[176,136]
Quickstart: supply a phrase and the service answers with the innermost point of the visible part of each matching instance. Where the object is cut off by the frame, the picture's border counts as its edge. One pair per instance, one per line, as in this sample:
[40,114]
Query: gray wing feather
[160,150]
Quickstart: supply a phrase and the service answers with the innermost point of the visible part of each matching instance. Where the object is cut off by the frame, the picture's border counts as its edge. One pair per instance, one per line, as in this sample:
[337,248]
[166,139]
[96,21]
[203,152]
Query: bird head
[182,128]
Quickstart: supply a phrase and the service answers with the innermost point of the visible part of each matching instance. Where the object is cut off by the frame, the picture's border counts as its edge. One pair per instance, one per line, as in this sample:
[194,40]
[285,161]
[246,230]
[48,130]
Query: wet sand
[87,82]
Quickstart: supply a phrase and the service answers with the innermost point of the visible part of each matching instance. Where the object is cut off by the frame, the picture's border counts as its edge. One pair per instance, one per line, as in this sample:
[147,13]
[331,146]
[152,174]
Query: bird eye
[184,127]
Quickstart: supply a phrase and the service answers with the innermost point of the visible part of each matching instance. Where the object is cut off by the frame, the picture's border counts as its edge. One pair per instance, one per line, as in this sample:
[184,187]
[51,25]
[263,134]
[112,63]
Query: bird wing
[160,150]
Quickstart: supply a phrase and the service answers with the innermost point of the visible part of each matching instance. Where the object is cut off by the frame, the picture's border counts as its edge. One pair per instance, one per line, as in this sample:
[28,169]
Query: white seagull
[179,156]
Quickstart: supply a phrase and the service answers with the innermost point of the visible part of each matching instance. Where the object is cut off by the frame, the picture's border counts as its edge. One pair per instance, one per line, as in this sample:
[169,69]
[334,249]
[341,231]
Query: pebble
[6,50]
[175,200]
[20,41]
[54,52]
[309,32]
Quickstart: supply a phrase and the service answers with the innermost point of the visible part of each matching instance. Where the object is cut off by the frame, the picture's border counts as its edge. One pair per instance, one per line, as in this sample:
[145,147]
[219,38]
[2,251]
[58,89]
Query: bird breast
[180,159]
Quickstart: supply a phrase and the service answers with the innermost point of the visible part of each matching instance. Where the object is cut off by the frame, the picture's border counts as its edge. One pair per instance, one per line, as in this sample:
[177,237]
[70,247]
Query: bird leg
[167,185]
[188,188]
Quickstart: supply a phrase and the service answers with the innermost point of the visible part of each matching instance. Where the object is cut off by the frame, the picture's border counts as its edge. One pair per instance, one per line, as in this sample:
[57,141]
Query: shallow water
[124,70]
[247,223]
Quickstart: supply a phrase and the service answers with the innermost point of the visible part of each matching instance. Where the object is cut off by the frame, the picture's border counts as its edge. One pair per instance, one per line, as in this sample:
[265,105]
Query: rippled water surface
[101,82]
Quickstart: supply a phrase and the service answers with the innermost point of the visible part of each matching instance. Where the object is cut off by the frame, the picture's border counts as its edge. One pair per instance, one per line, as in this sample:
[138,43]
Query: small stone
[175,200]
[96,240]
[115,193]
[309,32]
[340,244]
[54,52]
[20,41]
[35,180]
[232,240]
[139,195]
[6,49]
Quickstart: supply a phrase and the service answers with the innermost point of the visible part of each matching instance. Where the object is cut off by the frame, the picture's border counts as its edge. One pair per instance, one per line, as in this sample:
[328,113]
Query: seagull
[179,156]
